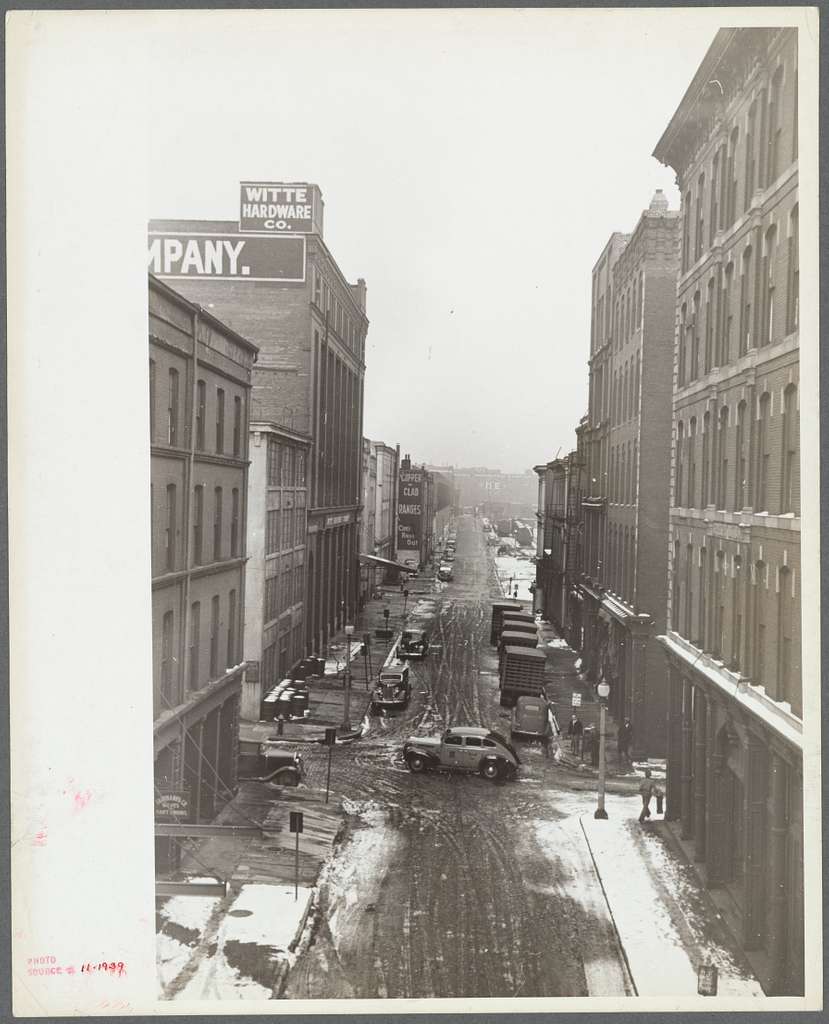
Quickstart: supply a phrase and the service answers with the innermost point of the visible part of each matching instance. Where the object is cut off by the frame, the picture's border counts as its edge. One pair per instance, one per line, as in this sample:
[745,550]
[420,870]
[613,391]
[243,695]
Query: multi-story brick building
[288,295]
[276,549]
[733,636]
[626,444]
[200,373]
[377,534]
[560,544]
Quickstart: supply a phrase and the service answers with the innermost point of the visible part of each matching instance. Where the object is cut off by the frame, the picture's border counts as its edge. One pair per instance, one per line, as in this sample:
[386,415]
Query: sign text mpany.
[201,256]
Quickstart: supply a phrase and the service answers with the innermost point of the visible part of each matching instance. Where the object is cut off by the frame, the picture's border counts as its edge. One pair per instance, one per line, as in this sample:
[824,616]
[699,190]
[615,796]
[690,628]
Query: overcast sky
[472,165]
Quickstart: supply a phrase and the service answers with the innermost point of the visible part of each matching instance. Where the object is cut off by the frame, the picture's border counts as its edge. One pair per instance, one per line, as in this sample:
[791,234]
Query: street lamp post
[405,605]
[603,690]
[349,632]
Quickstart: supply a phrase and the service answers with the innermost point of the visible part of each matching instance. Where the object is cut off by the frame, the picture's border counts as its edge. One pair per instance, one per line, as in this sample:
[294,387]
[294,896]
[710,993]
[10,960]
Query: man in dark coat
[623,740]
[575,730]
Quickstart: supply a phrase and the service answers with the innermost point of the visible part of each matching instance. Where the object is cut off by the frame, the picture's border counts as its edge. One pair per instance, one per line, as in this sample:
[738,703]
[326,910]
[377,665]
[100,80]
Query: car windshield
[504,743]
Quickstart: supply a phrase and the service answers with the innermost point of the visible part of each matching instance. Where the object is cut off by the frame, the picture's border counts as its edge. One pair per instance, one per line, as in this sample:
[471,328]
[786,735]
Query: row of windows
[760,156]
[175,435]
[621,558]
[746,306]
[278,657]
[199,553]
[284,591]
[746,616]
[286,465]
[169,681]
[336,315]
[750,462]
[623,482]
[284,528]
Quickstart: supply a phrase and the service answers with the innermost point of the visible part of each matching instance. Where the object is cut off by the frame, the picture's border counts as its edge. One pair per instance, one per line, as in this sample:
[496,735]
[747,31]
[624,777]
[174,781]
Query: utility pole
[349,632]
[603,690]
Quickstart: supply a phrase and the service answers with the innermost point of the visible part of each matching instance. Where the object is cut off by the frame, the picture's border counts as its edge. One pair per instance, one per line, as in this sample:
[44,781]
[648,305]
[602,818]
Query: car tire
[416,763]
[492,770]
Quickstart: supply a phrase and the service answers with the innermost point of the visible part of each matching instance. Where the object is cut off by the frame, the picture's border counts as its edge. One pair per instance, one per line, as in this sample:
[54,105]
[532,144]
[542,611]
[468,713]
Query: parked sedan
[463,748]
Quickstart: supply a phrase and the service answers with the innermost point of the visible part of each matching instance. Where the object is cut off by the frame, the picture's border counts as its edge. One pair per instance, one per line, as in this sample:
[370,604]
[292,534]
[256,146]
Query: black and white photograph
[414,549]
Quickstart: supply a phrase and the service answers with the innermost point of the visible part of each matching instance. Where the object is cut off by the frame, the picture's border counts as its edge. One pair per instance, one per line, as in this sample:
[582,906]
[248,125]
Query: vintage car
[393,688]
[445,572]
[464,748]
[414,644]
[272,763]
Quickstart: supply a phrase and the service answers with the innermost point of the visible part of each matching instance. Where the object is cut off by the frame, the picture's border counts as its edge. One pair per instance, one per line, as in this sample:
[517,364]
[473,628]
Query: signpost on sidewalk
[330,740]
[603,691]
[296,828]
[349,633]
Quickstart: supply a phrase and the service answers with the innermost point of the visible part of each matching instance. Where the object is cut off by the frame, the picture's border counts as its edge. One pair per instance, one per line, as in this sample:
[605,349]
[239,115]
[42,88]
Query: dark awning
[387,562]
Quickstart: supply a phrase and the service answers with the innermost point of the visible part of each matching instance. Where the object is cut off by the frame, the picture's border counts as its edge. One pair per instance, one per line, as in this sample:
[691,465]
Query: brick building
[310,325]
[276,549]
[560,545]
[626,444]
[200,374]
[733,636]
[378,528]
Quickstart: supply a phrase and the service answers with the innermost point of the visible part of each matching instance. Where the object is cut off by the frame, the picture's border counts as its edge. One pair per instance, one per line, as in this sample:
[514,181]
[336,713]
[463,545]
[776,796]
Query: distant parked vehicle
[445,572]
[414,644]
[463,748]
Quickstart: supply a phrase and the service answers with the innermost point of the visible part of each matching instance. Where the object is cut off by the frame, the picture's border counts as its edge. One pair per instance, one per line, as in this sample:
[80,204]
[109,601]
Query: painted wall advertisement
[410,510]
[276,207]
[226,256]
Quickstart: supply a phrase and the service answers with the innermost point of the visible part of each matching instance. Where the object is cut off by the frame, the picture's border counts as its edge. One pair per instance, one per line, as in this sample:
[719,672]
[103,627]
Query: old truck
[521,674]
[499,612]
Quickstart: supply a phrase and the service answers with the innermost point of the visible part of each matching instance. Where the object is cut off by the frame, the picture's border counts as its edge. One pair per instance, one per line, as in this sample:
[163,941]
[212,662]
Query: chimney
[659,204]
[358,290]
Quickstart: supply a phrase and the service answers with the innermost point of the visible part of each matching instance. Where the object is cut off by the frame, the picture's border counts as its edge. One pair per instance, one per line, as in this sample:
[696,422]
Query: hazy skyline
[473,165]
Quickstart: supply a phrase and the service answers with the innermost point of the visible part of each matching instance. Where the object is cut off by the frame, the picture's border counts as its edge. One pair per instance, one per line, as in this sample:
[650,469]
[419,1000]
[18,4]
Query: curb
[627,971]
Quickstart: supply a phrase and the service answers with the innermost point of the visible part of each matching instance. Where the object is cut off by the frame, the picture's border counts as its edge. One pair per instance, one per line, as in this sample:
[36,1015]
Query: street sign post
[330,740]
[296,828]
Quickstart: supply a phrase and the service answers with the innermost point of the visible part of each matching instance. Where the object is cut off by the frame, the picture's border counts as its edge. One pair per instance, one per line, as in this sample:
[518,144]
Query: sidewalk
[328,692]
[240,946]
[666,923]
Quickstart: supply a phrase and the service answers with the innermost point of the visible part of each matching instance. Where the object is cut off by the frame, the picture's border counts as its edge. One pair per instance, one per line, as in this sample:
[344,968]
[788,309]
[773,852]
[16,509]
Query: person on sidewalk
[575,730]
[623,741]
[646,790]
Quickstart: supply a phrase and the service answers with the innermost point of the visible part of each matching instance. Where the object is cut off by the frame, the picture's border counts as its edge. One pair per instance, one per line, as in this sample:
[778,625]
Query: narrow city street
[450,885]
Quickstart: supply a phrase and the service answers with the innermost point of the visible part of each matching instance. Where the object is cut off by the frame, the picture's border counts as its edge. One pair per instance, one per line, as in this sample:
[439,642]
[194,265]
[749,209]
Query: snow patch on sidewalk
[652,901]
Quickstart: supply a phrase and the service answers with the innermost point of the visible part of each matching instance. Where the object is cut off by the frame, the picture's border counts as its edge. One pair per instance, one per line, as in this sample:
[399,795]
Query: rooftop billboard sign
[277,207]
[226,256]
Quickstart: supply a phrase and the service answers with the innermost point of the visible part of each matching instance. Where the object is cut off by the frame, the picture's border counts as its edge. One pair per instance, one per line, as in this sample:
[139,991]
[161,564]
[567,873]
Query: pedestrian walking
[647,790]
[623,741]
[575,730]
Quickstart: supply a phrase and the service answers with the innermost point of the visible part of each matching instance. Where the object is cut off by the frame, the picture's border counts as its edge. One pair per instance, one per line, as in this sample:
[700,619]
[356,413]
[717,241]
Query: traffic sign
[576,701]
[296,821]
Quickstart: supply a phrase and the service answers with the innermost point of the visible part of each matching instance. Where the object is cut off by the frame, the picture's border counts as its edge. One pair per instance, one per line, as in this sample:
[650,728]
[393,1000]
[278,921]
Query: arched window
[201,401]
[675,571]
[719,591]
[623,475]
[716,184]
[705,496]
[731,175]
[695,325]
[785,674]
[634,473]
[727,317]
[736,613]
[636,388]
[686,229]
[195,642]
[769,262]
[217,524]
[679,455]
[172,408]
[168,668]
[699,227]
[741,460]
[689,593]
[758,657]
[774,127]
[793,277]
[722,444]
[701,598]
[681,354]
[790,497]
[750,157]
[709,325]
[761,496]
[170,529]
[198,524]
[692,463]
[746,294]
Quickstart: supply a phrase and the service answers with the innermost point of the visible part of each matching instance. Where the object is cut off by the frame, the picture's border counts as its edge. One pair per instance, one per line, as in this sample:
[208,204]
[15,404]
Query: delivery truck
[521,673]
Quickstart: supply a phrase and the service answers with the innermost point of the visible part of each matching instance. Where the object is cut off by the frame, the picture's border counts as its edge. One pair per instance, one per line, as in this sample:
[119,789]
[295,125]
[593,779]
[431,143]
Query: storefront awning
[376,560]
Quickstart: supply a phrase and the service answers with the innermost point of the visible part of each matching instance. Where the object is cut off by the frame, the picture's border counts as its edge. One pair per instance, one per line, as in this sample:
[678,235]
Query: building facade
[200,379]
[276,568]
[733,636]
[560,544]
[310,325]
[626,440]
[379,517]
